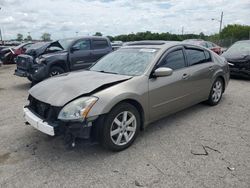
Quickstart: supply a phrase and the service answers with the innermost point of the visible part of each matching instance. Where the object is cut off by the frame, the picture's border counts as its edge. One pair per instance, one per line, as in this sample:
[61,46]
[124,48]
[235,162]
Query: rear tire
[120,128]
[216,92]
[55,70]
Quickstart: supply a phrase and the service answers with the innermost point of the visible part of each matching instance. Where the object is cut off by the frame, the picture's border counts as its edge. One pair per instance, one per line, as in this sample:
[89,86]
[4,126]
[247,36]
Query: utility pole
[1,36]
[221,19]
[182,30]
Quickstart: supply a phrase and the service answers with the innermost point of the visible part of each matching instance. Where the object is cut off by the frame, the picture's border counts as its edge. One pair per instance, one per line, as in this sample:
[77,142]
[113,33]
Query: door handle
[185,76]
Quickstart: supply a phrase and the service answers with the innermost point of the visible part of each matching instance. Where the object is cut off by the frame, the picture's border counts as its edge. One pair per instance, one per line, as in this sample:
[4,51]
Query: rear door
[100,47]
[80,54]
[171,93]
[201,69]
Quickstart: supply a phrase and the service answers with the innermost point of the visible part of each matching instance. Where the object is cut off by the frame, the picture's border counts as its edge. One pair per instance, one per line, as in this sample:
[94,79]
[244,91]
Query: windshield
[19,46]
[65,43]
[239,48]
[38,45]
[132,62]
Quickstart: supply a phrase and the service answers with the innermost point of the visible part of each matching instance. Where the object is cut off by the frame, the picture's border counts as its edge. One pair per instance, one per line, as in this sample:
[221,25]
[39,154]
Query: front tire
[29,78]
[216,92]
[55,70]
[121,127]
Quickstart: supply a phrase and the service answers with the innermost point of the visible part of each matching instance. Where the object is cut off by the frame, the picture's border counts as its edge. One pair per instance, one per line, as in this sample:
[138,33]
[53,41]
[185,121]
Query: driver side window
[82,45]
[174,60]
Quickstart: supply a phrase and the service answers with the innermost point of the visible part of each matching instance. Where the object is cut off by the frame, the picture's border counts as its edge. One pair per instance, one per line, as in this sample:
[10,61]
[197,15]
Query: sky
[68,18]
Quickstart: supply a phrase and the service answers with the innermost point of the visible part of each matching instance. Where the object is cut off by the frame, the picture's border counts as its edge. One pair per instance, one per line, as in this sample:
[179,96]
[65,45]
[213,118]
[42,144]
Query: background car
[116,45]
[238,56]
[207,44]
[8,54]
[62,56]
[127,90]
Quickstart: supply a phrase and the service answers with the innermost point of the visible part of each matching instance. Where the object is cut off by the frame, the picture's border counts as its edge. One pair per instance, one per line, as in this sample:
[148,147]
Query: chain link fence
[227,42]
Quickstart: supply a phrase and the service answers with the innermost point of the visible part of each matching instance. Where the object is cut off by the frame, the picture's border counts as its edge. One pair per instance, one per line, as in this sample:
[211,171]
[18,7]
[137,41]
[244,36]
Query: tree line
[44,37]
[235,31]
[232,32]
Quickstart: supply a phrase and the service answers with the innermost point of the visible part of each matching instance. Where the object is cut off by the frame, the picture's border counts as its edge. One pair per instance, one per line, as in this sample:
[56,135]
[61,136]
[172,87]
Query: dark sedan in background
[238,56]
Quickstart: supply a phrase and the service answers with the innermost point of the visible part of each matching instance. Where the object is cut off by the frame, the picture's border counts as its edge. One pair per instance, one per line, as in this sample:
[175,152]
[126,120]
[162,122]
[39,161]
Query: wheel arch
[219,74]
[138,106]
[61,64]
[224,82]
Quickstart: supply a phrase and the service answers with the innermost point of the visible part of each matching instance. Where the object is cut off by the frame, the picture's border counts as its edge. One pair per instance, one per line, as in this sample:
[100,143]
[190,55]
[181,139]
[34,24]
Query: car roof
[193,40]
[85,37]
[160,44]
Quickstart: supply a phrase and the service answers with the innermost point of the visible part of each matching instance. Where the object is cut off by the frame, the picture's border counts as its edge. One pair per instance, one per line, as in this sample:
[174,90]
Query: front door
[169,94]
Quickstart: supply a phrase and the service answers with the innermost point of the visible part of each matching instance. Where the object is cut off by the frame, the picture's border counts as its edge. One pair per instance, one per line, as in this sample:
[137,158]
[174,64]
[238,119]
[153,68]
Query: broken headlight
[40,60]
[78,109]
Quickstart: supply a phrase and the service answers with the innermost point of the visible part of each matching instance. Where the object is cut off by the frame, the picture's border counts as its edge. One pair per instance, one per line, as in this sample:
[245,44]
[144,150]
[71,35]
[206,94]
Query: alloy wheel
[123,128]
[54,73]
[217,91]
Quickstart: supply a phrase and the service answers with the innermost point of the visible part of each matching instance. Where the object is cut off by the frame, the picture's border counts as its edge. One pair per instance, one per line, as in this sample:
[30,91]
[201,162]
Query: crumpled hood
[54,54]
[244,56]
[59,90]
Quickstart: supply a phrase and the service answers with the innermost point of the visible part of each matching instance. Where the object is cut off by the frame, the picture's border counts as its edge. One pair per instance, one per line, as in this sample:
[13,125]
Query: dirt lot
[164,155]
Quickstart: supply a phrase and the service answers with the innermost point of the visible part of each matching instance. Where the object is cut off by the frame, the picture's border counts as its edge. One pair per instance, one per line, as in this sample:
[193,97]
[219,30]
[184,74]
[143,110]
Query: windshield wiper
[107,72]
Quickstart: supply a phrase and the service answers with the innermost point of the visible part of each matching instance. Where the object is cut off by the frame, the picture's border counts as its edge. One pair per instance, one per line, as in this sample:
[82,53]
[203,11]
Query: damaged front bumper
[239,71]
[239,67]
[75,129]
[39,73]
[21,73]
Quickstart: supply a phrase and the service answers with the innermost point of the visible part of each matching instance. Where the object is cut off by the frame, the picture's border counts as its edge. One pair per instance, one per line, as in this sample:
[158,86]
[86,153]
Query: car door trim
[169,101]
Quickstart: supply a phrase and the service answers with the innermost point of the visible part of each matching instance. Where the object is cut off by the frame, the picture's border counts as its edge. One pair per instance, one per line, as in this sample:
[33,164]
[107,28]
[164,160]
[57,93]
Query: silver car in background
[127,90]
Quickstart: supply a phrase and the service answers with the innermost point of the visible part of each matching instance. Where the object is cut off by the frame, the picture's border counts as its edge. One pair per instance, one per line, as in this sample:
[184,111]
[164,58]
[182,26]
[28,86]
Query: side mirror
[74,48]
[163,71]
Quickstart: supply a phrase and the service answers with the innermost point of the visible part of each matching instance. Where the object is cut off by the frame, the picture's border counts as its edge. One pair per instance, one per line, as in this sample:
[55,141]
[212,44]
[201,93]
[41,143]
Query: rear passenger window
[208,56]
[174,60]
[196,56]
[209,45]
[100,44]
[82,45]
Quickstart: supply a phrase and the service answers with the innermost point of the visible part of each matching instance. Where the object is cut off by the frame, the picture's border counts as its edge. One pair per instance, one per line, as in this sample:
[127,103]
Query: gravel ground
[199,147]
